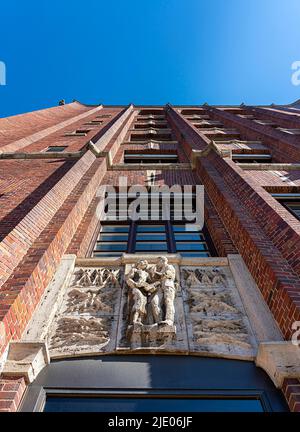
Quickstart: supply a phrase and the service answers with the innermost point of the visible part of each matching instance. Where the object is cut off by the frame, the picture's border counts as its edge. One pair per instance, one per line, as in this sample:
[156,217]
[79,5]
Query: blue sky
[148,52]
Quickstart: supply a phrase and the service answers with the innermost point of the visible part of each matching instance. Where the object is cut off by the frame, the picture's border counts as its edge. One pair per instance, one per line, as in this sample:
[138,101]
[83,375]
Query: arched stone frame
[153,376]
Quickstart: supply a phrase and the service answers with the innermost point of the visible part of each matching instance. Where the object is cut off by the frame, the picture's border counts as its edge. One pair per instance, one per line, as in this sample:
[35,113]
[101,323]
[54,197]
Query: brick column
[291,391]
[11,392]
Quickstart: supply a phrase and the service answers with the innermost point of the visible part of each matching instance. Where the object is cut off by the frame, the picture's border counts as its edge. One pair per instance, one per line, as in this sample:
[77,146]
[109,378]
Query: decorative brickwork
[48,206]
[11,393]
[291,391]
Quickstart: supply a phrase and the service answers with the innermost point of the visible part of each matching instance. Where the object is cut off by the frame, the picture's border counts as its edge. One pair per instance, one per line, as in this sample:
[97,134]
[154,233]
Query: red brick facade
[291,391]
[48,205]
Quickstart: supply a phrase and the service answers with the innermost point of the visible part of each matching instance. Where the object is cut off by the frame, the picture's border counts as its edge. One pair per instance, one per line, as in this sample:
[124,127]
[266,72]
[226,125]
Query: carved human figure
[138,282]
[165,295]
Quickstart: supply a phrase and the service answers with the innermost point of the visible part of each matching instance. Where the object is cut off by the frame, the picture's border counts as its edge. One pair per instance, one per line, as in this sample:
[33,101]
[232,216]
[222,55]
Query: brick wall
[11,393]
[291,391]
[49,210]
[251,218]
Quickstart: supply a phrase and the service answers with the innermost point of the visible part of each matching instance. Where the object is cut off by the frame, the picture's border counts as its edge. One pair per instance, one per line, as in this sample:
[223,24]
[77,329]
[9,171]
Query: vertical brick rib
[291,391]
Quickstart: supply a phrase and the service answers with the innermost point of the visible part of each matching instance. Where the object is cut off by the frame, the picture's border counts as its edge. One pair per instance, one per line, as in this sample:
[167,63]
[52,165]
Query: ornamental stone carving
[151,295]
[88,315]
[151,305]
[217,322]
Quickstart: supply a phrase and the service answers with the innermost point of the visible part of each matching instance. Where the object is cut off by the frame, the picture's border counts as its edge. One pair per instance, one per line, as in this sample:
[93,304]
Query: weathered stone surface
[39,327]
[280,360]
[87,319]
[261,319]
[151,295]
[216,321]
[26,359]
[149,305]
[152,310]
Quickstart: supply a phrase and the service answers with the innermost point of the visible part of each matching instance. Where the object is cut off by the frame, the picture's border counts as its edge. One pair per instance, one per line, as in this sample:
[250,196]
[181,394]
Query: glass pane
[106,254]
[114,228]
[195,254]
[151,246]
[56,149]
[122,404]
[182,228]
[151,155]
[111,247]
[191,246]
[151,228]
[151,236]
[189,236]
[113,237]
[294,208]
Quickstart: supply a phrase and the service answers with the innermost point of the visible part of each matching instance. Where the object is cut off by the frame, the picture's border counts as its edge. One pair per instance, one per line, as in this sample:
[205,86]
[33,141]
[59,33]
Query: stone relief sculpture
[89,294]
[217,322]
[199,276]
[87,312]
[151,295]
[151,311]
[75,331]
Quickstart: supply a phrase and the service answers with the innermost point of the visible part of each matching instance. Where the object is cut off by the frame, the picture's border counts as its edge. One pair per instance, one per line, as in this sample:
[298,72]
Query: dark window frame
[189,376]
[170,239]
[288,198]
[49,149]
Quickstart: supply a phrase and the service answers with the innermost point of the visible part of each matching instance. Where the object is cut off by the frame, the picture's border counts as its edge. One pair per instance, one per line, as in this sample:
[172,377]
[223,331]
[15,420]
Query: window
[151,238]
[217,134]
[148,382]
[264,122]
[151,112]
[290,201]
[251,158]
[151,124]
[55,149]
[195,113]
[120,403]
[206,124]
[78,132]
[152,134]
[290,131]
[94,123]
[190,243]
[112,240]
[161,227]
[150,157]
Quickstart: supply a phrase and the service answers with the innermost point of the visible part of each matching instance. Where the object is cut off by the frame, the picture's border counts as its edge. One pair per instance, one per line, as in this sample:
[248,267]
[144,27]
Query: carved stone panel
[152,308]
[87,319]
[216,320]
[152,305]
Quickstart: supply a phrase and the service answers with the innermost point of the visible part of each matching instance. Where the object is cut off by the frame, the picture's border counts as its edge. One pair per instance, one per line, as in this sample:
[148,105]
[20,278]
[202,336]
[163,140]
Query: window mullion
[131,237]
[170,237]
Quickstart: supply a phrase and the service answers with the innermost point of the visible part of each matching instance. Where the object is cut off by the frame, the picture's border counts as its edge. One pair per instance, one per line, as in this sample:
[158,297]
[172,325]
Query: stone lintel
[280,360]
[172,258]
[26,359]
